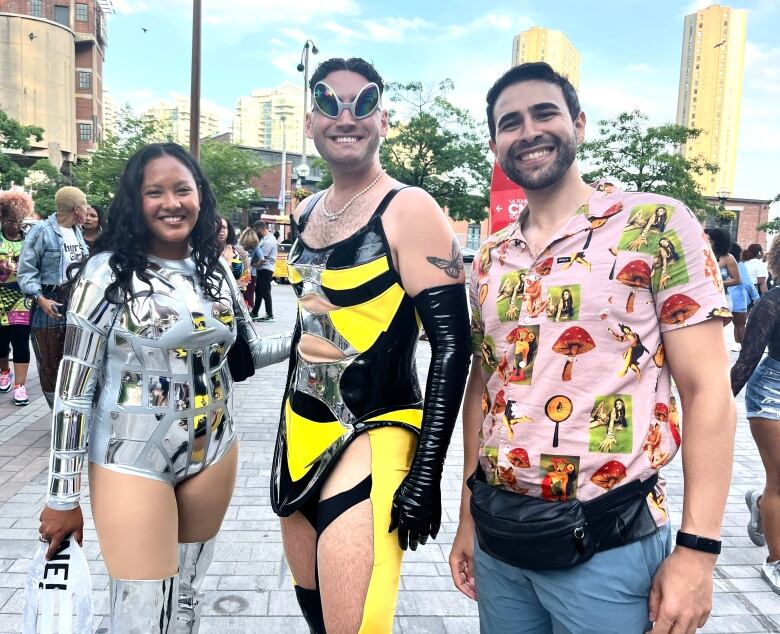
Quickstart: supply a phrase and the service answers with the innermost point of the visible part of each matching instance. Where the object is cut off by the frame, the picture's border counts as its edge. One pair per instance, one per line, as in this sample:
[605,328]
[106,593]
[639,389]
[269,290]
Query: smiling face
[347,142]
[536,139]
[170,205]
[223,232]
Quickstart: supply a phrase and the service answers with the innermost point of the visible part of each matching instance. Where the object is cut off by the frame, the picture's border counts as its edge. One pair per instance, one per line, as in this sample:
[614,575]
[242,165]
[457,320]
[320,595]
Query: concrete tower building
[710,92]
[51,72]
[538,44]
[175,117]
[258,122]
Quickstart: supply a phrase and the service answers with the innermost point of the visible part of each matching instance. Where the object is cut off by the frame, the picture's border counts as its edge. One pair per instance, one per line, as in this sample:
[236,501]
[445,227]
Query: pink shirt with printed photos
[578,397]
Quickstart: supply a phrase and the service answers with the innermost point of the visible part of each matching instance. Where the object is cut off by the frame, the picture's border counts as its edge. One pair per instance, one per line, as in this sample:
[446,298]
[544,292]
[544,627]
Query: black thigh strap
[329,510]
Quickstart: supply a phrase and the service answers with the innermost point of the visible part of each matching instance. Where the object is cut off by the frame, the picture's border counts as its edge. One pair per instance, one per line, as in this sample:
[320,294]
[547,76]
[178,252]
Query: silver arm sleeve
[89,319]
[265,350]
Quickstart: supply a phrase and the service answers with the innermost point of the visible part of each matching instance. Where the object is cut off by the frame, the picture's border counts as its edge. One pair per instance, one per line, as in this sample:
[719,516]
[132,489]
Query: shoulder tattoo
[452,266]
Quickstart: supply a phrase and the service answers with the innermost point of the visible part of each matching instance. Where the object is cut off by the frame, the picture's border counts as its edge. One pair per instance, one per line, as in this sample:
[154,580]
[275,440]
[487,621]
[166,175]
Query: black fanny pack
[533,533]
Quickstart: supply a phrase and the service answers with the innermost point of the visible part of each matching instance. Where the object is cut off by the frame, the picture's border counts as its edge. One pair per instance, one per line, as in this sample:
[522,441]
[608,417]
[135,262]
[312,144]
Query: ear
[579,127]
[307,124]
[492,146]
[384,123]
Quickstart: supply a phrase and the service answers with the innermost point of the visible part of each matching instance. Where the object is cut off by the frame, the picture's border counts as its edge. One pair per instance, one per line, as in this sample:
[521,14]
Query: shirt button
[526,320]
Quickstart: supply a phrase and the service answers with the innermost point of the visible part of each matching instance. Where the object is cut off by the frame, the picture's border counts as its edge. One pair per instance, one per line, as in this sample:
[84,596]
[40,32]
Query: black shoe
[266,318]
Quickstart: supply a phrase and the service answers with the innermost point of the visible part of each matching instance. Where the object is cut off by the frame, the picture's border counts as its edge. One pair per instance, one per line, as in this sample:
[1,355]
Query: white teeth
[534,155]
[172,220]
[346,139]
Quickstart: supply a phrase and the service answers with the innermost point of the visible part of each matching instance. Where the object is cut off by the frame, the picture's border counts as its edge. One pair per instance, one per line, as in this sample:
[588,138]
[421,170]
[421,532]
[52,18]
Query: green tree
[99,176]
[327,178]
[14,136]
[43,180]
[438,147]
[645,158]
[230,171]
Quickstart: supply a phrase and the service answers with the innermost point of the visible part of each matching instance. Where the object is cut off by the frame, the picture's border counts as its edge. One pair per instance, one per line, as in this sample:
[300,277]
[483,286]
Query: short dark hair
[753,251]
[353,64]
[528,72]
[721,241]
[261,224]
[736,251]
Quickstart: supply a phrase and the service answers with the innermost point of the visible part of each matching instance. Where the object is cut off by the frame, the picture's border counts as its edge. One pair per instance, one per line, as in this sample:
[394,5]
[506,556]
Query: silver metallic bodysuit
[147,381]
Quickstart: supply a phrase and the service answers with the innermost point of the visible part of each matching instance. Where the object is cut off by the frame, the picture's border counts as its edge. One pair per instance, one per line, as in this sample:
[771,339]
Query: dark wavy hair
[721,241]
[353,64]
[127,236]
[232,237]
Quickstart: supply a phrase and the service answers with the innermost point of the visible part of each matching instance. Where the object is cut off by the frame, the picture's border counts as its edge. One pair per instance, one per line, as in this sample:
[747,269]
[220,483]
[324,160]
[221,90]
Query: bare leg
[345,554]
[739,326]
[766,433]
[20,372]
[300,548]
[136,523]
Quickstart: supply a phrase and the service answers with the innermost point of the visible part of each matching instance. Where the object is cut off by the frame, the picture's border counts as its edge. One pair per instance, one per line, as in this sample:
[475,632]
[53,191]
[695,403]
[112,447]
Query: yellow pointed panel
[309,438]
[361,325]
[411,417]
[355,276]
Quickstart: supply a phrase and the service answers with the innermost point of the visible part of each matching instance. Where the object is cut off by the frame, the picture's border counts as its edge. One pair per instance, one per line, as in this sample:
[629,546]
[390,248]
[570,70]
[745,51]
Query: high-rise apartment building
[51,72]
[710,92]
[110,113]
[258,120]
[538,44]
[175,115]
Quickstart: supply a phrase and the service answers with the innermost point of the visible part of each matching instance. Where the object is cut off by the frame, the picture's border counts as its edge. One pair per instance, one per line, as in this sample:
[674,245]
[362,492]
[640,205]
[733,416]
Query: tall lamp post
[195,81]
[284,110]
[303,67]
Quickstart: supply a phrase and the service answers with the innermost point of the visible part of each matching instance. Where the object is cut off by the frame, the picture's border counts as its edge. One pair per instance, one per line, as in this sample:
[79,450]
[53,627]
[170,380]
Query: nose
[530,132]
[170,201]
[346,117]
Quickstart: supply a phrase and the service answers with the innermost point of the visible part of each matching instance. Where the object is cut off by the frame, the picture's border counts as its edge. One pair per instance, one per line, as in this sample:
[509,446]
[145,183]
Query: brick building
[51,74]
[749,213]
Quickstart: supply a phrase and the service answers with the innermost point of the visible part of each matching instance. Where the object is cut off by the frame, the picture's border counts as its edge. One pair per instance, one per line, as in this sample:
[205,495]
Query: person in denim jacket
[49,249]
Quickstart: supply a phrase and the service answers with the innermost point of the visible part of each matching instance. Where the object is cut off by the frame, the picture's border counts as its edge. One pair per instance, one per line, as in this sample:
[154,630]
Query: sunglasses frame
[346,105]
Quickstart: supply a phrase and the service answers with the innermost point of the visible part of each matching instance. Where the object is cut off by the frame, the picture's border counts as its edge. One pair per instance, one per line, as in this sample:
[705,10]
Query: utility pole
[195,81]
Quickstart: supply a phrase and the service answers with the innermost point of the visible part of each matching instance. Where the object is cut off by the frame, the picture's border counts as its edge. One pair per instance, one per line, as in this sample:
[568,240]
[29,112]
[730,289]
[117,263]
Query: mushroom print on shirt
[578,398]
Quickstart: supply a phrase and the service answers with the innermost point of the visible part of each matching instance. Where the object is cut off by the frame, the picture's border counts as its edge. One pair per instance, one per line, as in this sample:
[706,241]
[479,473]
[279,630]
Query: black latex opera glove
[416,510]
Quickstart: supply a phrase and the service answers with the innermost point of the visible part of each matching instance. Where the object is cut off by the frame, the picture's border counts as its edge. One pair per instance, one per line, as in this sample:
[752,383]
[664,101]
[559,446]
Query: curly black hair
[353,64]
[127,236]
[721,241]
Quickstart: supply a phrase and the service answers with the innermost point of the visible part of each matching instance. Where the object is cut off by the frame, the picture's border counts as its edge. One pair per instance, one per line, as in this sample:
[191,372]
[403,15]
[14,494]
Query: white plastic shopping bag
[54,587]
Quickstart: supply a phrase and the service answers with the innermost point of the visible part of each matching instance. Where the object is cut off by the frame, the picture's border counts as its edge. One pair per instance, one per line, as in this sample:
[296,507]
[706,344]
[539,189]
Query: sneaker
[266,318]
[20,395]
[256,318]
[770,570]
[754,527]
[6,380]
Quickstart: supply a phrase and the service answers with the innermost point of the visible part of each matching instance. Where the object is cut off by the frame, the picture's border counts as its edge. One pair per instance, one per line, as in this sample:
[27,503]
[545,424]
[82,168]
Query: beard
[541,178]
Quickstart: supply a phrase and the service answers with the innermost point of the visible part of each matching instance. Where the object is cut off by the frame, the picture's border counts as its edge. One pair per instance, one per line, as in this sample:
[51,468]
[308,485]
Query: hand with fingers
[416,509]
[57,525]
[681,594]
[462,559]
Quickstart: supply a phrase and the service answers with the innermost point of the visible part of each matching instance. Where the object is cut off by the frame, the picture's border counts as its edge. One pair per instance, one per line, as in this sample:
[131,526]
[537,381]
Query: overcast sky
[630,54]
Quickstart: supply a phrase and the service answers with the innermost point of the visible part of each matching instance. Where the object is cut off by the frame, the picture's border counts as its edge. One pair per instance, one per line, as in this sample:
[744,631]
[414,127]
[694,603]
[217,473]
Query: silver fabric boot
[139,606]
[194,561]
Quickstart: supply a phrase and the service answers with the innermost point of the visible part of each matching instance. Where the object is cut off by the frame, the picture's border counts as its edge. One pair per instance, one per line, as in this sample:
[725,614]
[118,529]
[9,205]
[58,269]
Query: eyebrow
[537,107]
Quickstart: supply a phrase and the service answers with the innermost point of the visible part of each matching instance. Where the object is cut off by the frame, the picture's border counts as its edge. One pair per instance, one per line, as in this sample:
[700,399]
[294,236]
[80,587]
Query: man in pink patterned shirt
[582,312]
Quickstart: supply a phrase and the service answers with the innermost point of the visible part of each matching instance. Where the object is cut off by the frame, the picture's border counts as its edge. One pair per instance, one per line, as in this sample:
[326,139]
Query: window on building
[62,15]
[82,13]
[85,131]
[85,79]
[36,8]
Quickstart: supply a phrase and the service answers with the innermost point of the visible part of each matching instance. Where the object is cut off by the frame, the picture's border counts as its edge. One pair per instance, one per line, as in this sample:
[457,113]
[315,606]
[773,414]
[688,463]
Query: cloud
[287,62]
[393,29]
[126,7]
[345,33]
[492,22]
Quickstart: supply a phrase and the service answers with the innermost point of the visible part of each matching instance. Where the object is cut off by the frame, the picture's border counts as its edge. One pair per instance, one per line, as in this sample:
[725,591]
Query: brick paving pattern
[248,588]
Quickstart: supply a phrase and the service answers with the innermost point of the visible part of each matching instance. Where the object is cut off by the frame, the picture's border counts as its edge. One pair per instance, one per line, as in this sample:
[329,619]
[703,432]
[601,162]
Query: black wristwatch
[696,542]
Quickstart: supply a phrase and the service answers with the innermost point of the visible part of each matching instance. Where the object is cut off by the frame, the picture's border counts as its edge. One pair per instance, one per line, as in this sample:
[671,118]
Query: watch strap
[697,542]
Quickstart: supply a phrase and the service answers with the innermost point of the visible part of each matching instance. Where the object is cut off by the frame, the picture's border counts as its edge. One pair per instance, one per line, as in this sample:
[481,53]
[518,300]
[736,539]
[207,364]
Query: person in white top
[753,257]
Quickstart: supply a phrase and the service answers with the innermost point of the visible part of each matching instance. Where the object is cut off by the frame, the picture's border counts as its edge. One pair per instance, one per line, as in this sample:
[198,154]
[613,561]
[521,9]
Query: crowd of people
[141,323]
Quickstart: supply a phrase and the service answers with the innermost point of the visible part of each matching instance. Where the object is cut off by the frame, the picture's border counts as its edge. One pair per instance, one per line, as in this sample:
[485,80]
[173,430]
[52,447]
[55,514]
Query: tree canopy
[230,170]
[435,145]
[645,158]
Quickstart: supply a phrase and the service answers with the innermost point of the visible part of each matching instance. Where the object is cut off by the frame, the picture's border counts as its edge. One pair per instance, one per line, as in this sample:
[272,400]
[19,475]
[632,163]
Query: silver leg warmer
[194,561]
[139,606]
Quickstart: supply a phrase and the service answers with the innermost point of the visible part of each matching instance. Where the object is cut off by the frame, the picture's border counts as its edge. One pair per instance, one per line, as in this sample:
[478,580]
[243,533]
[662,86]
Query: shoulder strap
[385,203]
[301,222]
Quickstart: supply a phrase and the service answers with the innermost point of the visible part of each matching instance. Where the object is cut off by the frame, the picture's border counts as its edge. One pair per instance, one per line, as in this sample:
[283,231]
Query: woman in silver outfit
[143,389]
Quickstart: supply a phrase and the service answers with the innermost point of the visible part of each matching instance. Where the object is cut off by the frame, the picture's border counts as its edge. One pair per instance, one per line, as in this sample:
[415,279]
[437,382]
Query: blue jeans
[606,594]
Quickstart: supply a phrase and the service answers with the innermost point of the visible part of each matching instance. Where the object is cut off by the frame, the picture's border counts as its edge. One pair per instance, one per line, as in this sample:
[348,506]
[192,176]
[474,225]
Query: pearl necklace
[335,215]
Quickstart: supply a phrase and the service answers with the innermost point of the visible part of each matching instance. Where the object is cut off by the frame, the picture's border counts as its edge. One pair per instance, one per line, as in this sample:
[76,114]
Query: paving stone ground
[248,588]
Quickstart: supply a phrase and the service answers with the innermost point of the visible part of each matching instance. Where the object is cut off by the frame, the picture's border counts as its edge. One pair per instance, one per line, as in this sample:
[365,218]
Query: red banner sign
[507,200]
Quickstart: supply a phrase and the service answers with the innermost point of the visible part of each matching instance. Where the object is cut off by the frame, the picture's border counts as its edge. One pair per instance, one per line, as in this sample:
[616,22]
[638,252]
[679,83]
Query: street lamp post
[284,110]
[195,81]
[303,67]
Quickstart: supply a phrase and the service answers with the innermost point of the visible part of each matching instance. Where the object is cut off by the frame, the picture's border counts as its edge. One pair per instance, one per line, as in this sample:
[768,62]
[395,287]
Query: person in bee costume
[359,452]
[143,393]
